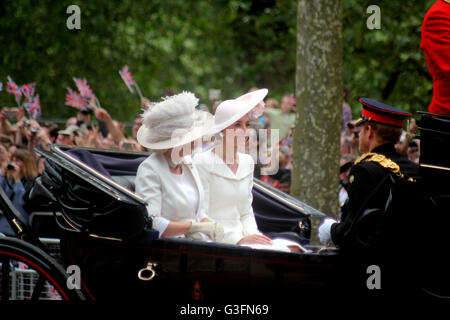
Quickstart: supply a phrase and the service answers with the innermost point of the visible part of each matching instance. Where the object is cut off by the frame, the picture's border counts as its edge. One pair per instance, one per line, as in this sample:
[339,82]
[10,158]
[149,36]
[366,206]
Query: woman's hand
[211,229]
[255,239]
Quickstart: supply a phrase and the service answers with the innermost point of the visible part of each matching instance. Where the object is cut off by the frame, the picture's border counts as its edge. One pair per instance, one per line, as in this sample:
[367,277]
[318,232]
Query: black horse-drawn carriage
[104,230]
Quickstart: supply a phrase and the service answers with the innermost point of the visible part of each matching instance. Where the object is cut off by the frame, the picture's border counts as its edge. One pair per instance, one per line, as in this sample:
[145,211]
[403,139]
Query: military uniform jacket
[365,176]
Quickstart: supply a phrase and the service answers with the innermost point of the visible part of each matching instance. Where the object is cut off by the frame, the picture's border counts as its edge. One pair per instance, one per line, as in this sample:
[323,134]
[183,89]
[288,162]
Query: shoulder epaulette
[383,161]
[363,157]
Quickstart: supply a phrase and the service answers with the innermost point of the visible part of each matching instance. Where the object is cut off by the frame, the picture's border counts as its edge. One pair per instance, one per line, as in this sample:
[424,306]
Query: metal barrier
[23,279]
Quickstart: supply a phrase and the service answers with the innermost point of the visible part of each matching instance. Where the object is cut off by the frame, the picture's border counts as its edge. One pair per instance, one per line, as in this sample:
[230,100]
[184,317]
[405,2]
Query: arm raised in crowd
[5,126]
[104,116]
[402,146]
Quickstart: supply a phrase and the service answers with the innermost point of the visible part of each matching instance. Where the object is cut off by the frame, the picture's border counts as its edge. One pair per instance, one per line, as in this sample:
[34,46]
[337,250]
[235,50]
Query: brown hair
[386,134]
[30,170]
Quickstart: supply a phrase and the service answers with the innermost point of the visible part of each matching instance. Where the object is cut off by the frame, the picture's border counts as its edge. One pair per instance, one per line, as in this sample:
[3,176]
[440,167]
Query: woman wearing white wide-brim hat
[167,179]
[227,175]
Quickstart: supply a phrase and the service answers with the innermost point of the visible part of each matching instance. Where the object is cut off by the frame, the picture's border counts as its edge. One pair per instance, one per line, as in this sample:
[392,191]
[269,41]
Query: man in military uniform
[381,127]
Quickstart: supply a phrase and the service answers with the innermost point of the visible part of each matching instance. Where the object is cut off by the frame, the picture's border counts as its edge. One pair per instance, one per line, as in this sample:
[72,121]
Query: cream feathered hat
[173,122]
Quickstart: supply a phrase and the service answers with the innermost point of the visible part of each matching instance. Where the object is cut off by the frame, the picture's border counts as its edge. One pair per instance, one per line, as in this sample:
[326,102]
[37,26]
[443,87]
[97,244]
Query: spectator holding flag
[127,77]
[83,118]
[33,107]
[115,132]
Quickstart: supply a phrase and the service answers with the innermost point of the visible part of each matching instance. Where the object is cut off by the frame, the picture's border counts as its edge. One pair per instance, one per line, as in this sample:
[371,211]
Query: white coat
[165,198]
[228,196]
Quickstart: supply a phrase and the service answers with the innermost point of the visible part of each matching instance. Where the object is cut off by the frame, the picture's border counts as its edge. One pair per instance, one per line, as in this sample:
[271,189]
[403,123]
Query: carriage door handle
[147,273]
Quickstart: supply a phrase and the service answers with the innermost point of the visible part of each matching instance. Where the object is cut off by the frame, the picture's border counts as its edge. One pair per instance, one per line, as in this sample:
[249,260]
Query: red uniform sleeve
[436,45]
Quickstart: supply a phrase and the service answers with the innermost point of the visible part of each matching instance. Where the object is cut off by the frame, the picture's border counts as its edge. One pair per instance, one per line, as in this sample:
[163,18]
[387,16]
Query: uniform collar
[387,148]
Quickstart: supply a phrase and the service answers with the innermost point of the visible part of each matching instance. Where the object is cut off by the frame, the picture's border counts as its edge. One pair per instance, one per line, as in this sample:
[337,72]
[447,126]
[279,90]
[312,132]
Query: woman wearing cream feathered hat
[167,179]
[227,175]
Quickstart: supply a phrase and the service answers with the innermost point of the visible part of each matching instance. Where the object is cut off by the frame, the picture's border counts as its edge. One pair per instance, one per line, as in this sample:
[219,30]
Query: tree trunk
[315,178]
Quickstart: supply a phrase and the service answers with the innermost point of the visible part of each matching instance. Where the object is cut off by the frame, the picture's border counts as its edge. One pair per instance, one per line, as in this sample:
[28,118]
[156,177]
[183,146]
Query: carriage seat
[126,181]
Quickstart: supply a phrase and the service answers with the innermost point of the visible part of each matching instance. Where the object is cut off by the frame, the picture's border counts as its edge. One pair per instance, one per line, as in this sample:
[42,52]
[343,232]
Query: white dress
[228,196]
[170,197]
[228,199]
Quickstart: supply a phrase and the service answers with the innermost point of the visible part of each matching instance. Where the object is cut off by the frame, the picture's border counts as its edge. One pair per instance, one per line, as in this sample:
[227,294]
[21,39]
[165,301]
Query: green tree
[200,44]
[187,45]
[386,64]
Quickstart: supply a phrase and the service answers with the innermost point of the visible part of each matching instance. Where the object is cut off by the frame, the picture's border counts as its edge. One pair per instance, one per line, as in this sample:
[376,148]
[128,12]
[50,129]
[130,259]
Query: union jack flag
[73,99]
[33,107]
[127,77]
[28,90]
[13,88]
[84,88]
[1,86]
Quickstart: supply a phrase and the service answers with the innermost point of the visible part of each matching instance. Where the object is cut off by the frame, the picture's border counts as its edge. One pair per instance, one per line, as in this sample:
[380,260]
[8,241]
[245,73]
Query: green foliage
[196,45]
[185,45]
[386,64]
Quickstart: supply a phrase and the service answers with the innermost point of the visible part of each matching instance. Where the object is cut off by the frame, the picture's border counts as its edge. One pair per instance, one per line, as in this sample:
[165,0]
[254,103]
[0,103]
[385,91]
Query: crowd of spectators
[20,163]
[21,137]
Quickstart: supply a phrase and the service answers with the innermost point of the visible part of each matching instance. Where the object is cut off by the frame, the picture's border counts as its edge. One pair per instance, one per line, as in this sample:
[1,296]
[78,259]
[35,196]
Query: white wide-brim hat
[230,111]
[173,122]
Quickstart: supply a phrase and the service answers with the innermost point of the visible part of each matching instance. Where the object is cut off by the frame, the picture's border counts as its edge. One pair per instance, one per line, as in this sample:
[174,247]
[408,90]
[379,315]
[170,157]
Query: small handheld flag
[1,86]
[14,89]
[28,90]
[84,88]
[73,99]
[127,77]
[33,107]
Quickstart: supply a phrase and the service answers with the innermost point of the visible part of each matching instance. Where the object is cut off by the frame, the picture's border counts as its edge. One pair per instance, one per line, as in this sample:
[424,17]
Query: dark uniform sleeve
[361,184]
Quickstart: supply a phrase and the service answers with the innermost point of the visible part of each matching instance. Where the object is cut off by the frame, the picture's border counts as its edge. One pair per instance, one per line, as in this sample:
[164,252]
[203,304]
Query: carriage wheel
[28,273]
